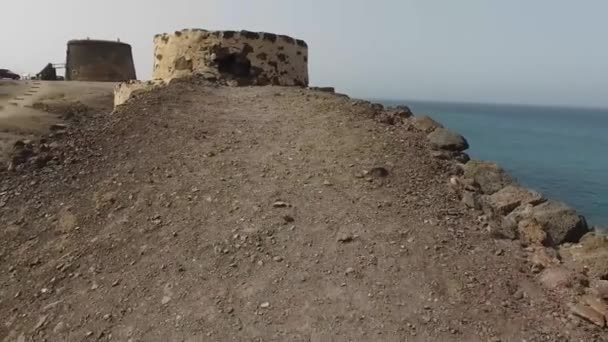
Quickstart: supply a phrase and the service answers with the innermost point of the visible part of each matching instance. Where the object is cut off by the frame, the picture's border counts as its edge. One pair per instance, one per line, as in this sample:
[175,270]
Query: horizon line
[493,103]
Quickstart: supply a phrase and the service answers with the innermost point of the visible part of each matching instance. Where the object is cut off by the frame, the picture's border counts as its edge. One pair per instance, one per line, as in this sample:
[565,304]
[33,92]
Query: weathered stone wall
[245,57]
[100,61]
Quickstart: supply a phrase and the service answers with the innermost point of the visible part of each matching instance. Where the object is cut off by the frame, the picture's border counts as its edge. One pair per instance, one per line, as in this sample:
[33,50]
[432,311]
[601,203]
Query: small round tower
[99,60]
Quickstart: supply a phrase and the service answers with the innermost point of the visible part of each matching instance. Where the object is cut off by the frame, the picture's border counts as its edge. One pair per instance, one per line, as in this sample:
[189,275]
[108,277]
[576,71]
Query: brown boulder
[561,278]
[393,116]
[588,314]
[544,258]
[460,157]
[531,232]
[490,177]
[600,288]
[596,304]
[471,199]
[512,196]
[445,139]
[591,252]
[425,124]
[562,223]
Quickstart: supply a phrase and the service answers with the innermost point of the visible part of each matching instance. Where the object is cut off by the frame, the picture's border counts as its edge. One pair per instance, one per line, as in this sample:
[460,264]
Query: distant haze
[517,51]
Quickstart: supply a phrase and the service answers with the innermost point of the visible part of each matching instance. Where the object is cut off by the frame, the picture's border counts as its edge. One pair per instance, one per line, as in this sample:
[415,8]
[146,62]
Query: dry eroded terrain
[204,213]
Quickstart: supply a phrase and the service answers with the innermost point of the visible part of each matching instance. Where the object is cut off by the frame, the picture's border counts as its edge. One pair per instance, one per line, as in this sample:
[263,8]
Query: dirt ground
[28,108]
[204,213]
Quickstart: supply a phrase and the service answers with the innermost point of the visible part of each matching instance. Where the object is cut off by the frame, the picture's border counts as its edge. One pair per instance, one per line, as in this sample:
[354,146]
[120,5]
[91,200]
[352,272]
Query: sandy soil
[203,213]
[29,108]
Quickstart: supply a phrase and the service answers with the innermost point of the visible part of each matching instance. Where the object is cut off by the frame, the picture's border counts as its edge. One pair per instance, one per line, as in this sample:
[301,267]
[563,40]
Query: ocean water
[561,152]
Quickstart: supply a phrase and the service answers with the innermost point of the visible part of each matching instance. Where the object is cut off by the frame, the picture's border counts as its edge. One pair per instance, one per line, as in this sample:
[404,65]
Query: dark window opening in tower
[235,65]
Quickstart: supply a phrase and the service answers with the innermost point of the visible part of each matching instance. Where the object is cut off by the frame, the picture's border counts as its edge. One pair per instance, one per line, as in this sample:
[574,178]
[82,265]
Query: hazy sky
[514,51]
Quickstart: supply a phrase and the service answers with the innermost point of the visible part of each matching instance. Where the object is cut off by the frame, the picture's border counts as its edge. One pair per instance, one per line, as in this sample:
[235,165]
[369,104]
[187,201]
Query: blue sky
[516,51]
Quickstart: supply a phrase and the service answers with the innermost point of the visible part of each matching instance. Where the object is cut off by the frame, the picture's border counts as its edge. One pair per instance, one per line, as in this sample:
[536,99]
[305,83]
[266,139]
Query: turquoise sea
[561,152]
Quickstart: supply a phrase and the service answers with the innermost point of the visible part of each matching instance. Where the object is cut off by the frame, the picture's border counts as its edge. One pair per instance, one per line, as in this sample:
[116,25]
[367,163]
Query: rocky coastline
[569,256]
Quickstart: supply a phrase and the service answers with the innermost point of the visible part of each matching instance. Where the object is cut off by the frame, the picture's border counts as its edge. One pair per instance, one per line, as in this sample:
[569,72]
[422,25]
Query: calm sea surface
[561,152]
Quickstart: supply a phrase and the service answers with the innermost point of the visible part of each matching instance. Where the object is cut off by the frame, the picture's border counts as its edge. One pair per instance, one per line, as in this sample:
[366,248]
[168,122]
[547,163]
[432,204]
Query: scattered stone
[345,237]
[277,259]
[559,277]
[600,288]
[377,106]
[502,232]
[425,124]
[406,109]
[460,157]
[512,196]
[445,139]
[393,116]
[588,314]
[378,172]
[596,304]
[349,271]
[281,204]
[471,199]
[532,232]
[545,257]
[41,322]
[59,327]
[441,155]
[327,183]
[592,252]
[58,127]
[265,305]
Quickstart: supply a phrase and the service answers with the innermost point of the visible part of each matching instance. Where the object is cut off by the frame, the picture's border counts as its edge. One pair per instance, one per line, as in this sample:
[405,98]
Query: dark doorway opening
[235,65]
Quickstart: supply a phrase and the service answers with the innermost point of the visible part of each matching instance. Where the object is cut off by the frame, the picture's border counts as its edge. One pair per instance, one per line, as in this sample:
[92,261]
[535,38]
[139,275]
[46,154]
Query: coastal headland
[221,205]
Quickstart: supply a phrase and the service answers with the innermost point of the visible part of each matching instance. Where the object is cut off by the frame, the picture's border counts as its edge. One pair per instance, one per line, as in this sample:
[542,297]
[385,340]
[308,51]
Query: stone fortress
[233,57]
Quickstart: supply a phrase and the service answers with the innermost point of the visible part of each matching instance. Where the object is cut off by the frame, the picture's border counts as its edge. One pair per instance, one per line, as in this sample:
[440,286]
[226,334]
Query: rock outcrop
[490,177]
[510,197]
[425,123]
[561,223]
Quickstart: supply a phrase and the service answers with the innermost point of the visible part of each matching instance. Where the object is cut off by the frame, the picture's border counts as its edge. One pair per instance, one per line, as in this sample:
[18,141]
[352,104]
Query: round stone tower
[255,58]
[99,60]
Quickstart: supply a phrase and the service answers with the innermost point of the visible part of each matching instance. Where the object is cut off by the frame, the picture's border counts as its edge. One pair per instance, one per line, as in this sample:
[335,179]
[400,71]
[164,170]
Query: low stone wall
[246,57]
